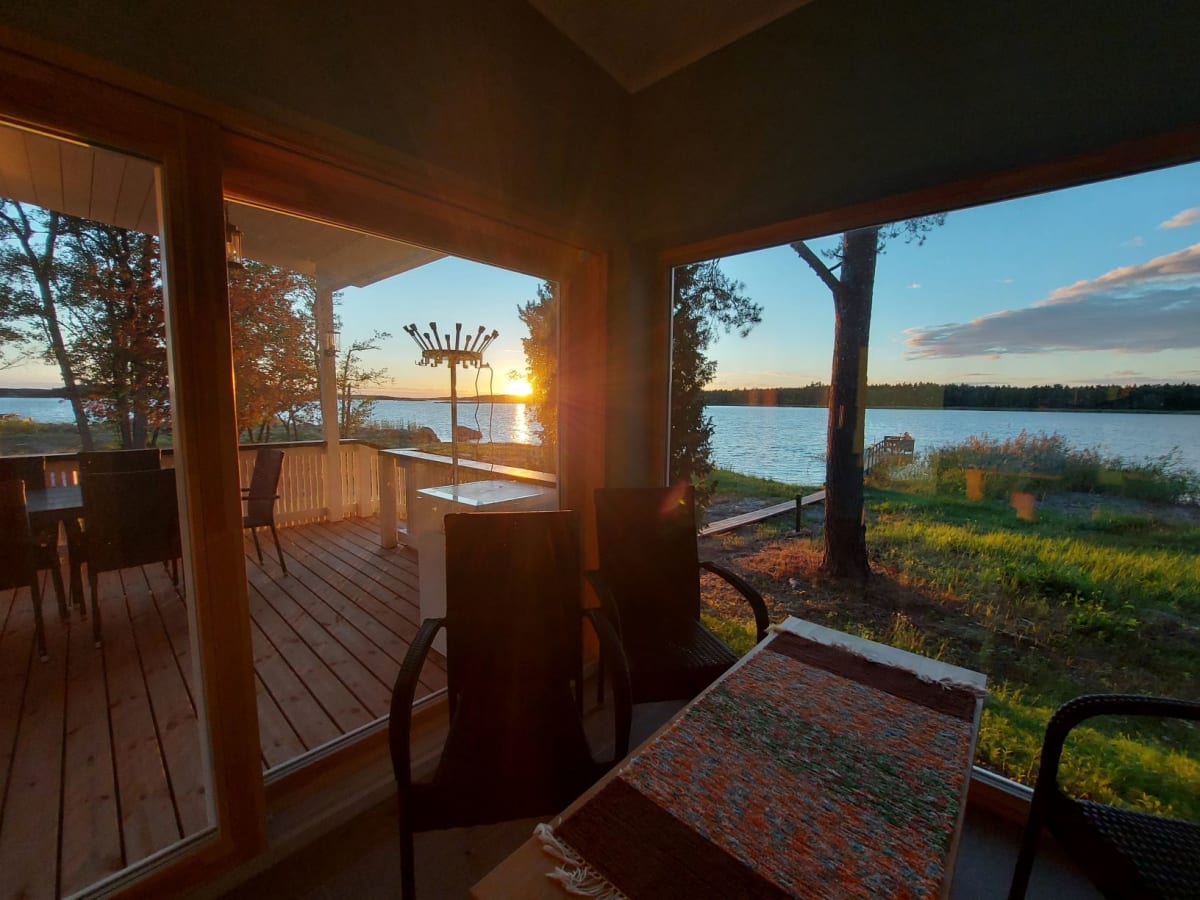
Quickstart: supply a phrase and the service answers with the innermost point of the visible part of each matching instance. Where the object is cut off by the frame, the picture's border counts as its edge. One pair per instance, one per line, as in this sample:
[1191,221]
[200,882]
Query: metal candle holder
[469,353]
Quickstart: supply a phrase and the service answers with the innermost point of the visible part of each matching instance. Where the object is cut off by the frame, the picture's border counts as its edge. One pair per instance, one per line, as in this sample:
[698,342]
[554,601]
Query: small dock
[893,447]
[796,506]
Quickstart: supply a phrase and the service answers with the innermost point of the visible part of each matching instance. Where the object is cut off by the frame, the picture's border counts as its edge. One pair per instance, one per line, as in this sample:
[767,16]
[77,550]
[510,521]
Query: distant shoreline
[61,394]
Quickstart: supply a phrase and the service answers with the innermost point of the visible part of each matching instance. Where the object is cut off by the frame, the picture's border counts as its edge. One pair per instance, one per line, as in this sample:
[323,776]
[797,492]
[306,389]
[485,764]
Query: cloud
[914,285]
[1182,219]
[1007,280]
[1136,309]
[1135,241]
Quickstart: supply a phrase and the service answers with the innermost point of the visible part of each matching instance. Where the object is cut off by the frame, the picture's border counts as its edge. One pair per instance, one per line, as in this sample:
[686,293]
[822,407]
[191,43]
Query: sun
[518,387]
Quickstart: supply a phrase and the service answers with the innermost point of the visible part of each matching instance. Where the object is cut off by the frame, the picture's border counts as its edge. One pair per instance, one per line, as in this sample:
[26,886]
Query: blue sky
[1097,284]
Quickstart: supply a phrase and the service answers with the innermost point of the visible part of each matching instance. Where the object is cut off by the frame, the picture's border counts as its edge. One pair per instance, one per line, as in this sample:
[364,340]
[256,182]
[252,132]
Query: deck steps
[758,515]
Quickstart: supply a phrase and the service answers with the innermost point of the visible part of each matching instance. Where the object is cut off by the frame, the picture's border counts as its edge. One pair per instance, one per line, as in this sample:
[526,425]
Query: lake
[788,442]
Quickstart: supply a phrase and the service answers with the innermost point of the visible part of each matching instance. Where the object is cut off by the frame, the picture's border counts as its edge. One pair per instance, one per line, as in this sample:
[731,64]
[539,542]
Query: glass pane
[101,719]
[367,415]
[1031,452]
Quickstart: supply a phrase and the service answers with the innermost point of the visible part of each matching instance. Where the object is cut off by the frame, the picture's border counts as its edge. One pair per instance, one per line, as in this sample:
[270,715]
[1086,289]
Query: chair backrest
[131,518]
[95,462]
[16,546]
[649,559]
[513,632]
[264,485]
[29,469]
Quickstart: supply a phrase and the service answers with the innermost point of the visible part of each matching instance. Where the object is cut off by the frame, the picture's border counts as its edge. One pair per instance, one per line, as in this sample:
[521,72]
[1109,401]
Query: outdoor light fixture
[329,342]
[233,240]
[468,353]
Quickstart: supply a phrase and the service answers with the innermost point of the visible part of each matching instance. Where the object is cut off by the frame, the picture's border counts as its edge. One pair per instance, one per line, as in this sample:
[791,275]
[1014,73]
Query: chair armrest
[761,620]
[608,603]
[610,646]
[399,739]
[1090,706]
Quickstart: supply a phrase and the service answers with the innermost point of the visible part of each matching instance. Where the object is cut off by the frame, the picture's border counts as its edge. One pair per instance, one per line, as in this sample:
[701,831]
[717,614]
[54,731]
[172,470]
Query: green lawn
[1098,598]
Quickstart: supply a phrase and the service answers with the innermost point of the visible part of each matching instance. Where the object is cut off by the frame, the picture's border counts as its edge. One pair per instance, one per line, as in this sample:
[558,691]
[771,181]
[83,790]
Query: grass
[1096,594]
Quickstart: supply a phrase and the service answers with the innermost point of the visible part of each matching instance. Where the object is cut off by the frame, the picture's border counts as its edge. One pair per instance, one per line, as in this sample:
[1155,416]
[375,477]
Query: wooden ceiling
[116,189]
[641,42]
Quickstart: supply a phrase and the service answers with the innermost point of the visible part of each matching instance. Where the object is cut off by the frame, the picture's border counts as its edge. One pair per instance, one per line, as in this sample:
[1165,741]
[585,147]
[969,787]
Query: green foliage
[1047,463]
[352,374]
[705,302]
[736,484]
[928,395]
[738,635]
[540,316]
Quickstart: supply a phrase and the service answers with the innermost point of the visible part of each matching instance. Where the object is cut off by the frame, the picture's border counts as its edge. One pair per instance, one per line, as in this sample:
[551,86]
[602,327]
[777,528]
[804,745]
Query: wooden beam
[327,379]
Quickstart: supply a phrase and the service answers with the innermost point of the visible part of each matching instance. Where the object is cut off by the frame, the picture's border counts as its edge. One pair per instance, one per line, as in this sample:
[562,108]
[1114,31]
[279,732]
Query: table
[821,765]
[427,530]
[51,505]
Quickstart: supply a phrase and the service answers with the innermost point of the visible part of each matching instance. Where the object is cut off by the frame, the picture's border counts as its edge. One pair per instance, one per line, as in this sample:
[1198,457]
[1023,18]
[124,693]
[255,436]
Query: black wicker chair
[1124,853]
[17,553]
[649,588]
[260,499]
[132,519]
[516,746]
[31,470]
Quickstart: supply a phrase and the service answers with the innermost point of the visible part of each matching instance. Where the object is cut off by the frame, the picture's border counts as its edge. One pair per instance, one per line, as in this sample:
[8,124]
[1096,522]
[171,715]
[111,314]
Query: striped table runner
[810,770]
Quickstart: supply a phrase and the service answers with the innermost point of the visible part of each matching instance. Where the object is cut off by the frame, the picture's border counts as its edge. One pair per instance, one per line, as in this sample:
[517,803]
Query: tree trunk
[845,531]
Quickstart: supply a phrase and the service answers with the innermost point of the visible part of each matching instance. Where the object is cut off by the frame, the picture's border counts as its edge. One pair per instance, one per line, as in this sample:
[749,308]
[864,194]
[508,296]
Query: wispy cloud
[915,285]
[1135,241]
[1182,219]
[1007,280]
[1138,309]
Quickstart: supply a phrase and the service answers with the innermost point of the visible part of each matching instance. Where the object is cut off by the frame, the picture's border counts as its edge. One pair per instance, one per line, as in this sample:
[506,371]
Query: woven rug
[809,772]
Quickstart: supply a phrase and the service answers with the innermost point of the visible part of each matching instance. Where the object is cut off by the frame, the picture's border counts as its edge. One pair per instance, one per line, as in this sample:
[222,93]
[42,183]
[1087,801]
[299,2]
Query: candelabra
[468,353]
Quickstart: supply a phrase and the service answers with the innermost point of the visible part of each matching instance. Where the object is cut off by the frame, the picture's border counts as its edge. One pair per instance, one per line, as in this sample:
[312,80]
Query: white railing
[302,493]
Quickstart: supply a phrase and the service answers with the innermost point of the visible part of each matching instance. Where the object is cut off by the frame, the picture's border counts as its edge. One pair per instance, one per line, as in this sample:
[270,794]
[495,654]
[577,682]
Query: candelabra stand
[468,354]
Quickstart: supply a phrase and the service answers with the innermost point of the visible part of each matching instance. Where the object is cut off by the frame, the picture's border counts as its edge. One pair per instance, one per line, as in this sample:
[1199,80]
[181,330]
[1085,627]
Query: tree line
[926,395]
[87,298]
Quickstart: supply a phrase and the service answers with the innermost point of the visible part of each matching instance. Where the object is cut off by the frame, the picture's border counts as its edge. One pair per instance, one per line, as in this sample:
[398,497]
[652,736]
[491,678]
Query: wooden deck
[100,762]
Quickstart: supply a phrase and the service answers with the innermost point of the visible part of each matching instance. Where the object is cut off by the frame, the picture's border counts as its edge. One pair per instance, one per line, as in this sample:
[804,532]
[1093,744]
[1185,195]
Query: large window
[1030,441]
[102,721]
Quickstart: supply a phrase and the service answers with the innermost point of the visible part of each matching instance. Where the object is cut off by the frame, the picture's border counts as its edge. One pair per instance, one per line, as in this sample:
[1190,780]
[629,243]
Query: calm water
[788,443]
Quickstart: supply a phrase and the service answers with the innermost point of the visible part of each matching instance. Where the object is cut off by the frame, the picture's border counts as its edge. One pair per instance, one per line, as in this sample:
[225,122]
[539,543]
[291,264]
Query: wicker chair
[17,554]
[132,519]
[260,499]
[649,588]
[516,746]
[32,471]
[1124,853]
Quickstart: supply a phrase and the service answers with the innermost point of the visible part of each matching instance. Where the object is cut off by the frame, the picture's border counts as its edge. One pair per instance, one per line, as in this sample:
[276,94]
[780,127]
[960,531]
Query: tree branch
[814,262]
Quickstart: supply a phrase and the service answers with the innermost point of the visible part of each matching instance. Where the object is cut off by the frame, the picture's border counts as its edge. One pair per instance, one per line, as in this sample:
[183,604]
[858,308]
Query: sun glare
[519,387]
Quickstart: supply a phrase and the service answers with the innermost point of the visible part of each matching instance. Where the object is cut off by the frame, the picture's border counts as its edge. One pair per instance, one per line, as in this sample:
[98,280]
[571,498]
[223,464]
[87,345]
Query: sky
[1096,284]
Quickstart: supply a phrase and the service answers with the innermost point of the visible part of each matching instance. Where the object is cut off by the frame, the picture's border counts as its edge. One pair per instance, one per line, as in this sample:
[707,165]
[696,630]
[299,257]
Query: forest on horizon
[925,395]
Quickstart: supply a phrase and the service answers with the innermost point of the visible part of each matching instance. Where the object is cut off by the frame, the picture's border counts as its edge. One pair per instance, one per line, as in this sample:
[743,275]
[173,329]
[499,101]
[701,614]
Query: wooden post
[387,500]
[327,378]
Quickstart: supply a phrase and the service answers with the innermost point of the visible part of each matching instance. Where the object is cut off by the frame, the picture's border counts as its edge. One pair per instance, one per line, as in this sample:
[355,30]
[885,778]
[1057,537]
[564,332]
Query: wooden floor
[100,762]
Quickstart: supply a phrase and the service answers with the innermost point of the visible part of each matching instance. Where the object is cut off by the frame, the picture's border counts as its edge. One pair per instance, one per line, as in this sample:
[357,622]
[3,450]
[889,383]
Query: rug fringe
[575,875]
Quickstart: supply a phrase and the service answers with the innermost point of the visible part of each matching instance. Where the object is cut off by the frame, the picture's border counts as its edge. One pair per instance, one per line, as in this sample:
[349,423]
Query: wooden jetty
[758,515]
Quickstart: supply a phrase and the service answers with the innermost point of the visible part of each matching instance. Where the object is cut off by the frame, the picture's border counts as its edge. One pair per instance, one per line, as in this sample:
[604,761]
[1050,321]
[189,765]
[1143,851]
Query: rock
[465,433]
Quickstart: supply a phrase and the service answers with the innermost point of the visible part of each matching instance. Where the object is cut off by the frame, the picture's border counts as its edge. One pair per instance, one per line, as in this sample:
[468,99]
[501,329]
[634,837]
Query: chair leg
[94,586]
[257,549]
[278,549]
[60,591]
[38,627]
[408,875]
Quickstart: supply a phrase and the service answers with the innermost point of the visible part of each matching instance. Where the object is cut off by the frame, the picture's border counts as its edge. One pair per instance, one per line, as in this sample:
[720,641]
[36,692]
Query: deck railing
[303,496]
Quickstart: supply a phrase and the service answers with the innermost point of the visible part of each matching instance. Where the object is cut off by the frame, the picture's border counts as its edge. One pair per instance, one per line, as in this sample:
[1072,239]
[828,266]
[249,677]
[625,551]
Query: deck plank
[381,648]
[16,655]
[174,716]
[148,820]
[91,839]
[318,629]
[29,854]
[119,724]
[278,739]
